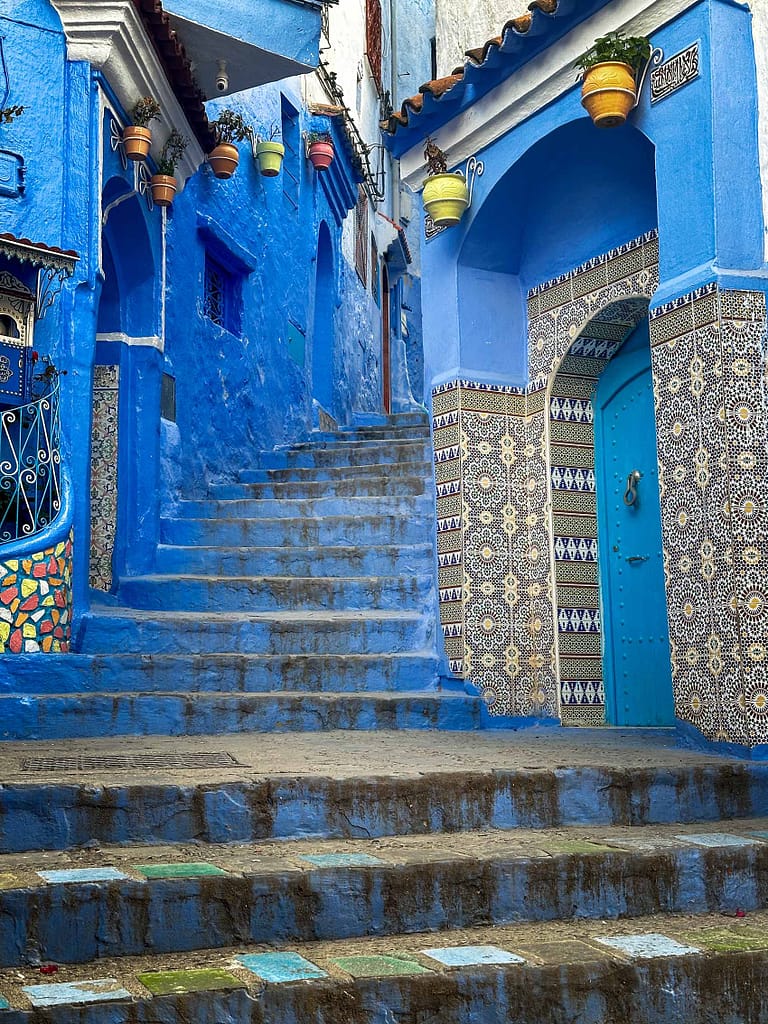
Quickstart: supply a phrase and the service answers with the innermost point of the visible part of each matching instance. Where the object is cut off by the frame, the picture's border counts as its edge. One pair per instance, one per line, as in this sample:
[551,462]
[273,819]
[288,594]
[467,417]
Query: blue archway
[322,331]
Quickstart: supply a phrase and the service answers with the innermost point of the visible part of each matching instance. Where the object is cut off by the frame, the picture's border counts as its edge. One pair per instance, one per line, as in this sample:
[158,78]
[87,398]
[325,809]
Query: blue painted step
[374,486]
[61,716]
[331,530]
[310,474]
[310,508]
[355,455]
[327,560]
[222,672]
[298,632]
[264,593]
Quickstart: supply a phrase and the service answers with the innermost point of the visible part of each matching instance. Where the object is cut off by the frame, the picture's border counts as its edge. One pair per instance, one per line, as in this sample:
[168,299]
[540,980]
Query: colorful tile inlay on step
[647,946]
[378,966]
[36,601]
[201,870]
[714,839]
[82,875]
[470,956]
[204,979]
[280,967]
[342,860]
[99,990]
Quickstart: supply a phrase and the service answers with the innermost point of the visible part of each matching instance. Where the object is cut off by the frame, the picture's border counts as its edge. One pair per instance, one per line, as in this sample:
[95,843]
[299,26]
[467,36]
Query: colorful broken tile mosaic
[279,968]
[36,601]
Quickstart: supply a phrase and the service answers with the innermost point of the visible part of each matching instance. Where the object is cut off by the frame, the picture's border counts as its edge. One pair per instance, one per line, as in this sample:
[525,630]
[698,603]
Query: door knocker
[630,495]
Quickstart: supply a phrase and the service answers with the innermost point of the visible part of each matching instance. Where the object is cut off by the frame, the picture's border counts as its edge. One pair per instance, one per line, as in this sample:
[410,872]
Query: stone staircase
[300,597]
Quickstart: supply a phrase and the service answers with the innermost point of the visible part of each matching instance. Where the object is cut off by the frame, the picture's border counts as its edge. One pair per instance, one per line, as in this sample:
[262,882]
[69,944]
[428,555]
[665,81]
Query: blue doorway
[323,332]
[636,656]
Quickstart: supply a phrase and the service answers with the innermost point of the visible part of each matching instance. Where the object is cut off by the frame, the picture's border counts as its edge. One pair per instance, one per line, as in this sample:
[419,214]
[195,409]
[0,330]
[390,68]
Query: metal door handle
[630,495]
[637,558]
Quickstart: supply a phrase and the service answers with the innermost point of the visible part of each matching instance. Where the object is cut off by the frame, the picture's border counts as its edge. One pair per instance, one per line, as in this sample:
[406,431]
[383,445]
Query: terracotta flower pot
[608,93]
[270,157]
[321,155]
[136,142]
[446,197]
[163,189]
[224,160]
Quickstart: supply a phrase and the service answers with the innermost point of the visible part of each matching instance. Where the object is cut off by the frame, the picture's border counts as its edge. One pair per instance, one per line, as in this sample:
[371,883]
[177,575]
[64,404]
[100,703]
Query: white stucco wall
[467,25]
[760,34]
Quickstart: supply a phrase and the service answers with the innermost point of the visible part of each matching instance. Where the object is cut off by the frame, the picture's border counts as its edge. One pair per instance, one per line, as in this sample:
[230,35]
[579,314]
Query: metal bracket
[474,169]
[143,185]
[116,141]
[49,284]
[655,58]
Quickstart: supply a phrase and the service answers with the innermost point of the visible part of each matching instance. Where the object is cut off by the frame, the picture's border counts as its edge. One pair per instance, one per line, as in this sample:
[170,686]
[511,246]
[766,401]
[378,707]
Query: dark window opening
[221,295]
[361,236]
[168,398]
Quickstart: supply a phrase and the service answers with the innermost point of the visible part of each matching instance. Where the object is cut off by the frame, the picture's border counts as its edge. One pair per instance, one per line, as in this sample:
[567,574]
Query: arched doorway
[613,662]
[386,355]
[322,331]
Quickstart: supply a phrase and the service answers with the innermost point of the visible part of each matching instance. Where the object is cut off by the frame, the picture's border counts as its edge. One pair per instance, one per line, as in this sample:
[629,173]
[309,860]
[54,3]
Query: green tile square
[200,870]
[204,979]
[378,966]
[727,940]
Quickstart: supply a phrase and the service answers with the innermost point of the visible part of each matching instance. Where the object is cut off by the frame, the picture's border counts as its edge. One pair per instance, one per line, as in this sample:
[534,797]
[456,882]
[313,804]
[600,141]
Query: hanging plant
[9,114]
[446,196]
[137,137]
[270,153]
[320,150]
[228,128]
[164,183]
[610,72]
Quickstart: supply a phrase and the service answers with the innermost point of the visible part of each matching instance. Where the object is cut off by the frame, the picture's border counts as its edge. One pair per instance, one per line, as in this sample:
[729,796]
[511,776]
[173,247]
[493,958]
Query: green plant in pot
[270,153]
[137,137]
[164,183]
[228,128]
[611,69]
[446,196]
[320,150]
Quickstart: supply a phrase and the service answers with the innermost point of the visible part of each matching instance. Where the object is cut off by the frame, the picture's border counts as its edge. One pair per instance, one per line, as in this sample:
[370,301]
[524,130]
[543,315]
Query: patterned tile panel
[104,446]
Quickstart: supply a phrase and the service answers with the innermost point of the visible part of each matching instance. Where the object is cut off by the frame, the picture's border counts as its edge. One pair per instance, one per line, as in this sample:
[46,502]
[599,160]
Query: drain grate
[126,762]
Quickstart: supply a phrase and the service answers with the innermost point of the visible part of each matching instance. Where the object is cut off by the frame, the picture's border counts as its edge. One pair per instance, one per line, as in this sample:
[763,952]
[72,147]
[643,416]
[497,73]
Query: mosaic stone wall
[516,498]
[104,445]
[709,366]
[36,601]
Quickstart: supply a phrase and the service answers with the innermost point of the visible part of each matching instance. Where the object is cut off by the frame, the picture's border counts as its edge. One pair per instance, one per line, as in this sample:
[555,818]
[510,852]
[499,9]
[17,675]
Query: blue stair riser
[331,530]
[273,508]
[68,716]
[354,456]
[59,815]
[388,560]
[382,435]
[337,443]
[395,419]
[173,593]
[201,634]
[131,918]
[374,487]
[311,474]
[216,673]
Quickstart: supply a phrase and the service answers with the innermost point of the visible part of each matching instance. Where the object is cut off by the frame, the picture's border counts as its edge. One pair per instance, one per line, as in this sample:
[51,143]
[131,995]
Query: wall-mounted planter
[321,155]
[608,93]
[136,142]
[224,160]
[446,197]
[270,157]
[163,189]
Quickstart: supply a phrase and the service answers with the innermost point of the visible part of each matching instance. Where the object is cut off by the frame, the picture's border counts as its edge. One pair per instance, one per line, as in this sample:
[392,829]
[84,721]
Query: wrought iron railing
[30,463]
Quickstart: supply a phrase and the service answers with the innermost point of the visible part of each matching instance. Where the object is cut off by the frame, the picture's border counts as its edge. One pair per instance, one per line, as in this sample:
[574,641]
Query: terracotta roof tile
[476,57]
[41,247]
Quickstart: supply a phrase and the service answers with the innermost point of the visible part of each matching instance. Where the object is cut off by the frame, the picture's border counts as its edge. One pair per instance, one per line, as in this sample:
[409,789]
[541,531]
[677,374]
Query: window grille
[375,271]
[373,38]
[222,295]
[361,236]
[289,120]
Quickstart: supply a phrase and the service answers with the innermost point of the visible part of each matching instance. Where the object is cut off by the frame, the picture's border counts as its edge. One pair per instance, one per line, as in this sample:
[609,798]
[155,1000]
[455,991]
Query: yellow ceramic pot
[608,93]
[446,198]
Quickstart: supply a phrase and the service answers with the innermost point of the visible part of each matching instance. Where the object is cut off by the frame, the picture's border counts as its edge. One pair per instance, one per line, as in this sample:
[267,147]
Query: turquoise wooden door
[636,658]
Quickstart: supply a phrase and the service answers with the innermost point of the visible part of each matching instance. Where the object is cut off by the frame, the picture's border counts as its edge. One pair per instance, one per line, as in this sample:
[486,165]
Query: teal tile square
[281,967]
[4,1004]
[341,860]
[71,875]
[200,870]
[378,966]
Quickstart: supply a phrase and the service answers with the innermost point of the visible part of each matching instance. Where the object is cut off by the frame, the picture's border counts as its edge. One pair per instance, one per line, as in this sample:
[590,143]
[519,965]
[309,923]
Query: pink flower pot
[321,155]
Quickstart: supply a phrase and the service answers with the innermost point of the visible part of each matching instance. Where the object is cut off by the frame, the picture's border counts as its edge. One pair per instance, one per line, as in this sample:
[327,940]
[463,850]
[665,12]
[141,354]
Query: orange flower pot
[224,160]
[608,93]
[321,155]
[163,189]
[136,142]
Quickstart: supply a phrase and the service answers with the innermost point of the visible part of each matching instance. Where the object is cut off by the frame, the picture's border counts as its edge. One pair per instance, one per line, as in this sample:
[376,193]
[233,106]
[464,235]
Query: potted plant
[609,85]
[9,114]
[270,153]
[163,183]
[320,150]
[446,196]
[137,137]
[228,129]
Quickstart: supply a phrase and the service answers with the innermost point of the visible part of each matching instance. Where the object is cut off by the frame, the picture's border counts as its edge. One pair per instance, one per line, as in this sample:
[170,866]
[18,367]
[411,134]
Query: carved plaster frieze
[109,35]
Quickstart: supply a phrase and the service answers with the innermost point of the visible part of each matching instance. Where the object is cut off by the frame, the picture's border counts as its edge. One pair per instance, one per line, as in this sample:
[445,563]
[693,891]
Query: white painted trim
[109,35]
[153,341]
[536,84]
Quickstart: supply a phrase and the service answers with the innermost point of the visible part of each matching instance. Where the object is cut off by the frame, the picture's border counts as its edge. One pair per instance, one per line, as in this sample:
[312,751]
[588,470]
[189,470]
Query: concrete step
[326,560]
[215,673]
[309,508]
[53,716]
[335,531]
[280,632]
[662,969]
[396,419]
[123,901]
[339,442]
[390,471]
[352,785]
[381,434]
[352,455]
[367,486]
[275,593]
